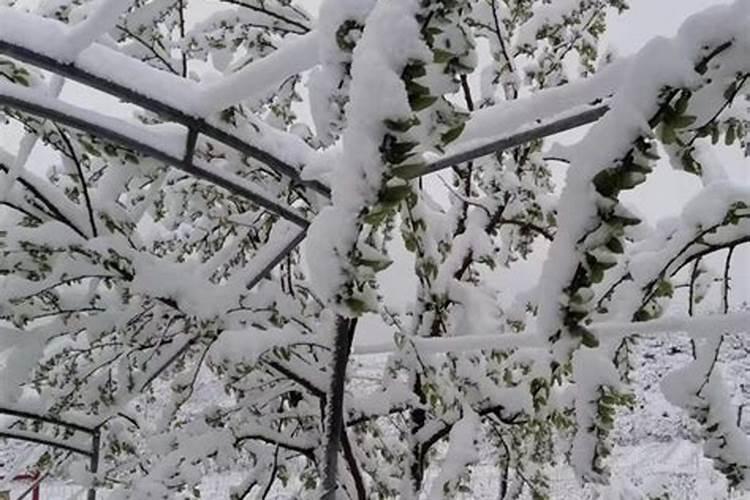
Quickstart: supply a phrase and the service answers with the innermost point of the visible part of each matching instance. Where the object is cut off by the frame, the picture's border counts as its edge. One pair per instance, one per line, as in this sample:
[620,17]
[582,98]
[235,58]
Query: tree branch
[84,187]
[14,412]
[306,451]
[351,461]
[270,13]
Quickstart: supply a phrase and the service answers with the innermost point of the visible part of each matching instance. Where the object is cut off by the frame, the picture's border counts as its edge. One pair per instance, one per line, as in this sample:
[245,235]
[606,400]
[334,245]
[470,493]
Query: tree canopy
[202,205]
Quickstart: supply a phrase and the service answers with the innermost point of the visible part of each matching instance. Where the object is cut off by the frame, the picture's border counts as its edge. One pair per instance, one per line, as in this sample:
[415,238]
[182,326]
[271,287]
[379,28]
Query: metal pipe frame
[124,93]
[185,164]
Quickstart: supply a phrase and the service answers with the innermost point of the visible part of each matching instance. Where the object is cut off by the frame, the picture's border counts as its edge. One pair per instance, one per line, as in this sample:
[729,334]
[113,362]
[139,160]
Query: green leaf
[629,180]
[641,315]
[690,164]
[414,70]
[614,245]
[430,269]
[730,136]
[420,102]
[597,274]
[414,89]
[587,338]
[401,125]
[682,121]
[408,171]
[410,241]
[731,91]
[90,149]
[440,56]
[393,195]
[394,151]
[343,38]
[664,289]
[637,167]
[377,216]
[22,80]
[682,103]
[715,134]
[582,296]
[667,134]
[357,306]
[646,150]
[621,220]
[452,134]
[606,183]
[376,265]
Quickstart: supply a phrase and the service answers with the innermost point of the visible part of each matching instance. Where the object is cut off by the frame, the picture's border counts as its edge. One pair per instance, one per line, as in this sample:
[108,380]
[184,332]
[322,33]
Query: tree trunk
[335,403]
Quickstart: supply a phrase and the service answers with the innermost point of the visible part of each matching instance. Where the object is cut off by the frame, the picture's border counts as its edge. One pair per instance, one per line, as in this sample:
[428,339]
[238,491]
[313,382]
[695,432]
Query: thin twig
[84,186]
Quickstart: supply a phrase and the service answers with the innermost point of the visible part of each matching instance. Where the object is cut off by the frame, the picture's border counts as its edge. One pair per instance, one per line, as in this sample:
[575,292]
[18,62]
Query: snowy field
[638,472]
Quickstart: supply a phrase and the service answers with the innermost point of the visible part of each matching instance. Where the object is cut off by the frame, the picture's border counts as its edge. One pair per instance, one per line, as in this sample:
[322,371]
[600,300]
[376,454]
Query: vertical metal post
[94,467]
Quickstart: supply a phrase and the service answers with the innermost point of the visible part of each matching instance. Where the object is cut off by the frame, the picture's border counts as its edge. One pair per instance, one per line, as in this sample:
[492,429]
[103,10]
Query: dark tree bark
[334,416]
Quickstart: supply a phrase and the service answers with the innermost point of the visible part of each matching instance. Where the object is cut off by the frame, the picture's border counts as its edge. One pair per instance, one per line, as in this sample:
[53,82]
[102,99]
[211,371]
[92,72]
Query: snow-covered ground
[651,469]
[653,455]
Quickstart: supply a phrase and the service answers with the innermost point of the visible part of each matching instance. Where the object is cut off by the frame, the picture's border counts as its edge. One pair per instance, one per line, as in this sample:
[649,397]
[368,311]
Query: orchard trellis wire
[128,135]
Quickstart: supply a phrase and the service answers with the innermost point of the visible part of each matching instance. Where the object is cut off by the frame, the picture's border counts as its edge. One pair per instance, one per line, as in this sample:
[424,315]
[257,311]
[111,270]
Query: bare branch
[39,439]
[14,412]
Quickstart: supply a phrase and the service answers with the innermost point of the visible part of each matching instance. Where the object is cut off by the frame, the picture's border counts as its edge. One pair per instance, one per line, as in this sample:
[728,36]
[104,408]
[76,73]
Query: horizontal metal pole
[181,164]
[258,154]
[288,248]
[561,125]
[73,72]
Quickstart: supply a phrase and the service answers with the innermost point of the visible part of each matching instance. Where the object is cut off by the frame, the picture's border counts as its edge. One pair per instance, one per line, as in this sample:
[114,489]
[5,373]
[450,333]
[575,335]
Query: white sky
[648,18]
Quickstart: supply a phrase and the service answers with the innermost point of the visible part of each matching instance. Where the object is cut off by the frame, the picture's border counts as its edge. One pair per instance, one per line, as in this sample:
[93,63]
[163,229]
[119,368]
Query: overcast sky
[648,18]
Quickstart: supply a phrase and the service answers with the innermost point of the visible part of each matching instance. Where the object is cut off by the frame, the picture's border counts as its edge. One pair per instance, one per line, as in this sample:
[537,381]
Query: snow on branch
[33,437]
[615,156]
[102,18]
[710,325]
[295,56]
[471,150]
[158,91]
[501,342]
[151,287]
[76,47]
[700,326]
[162,142]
